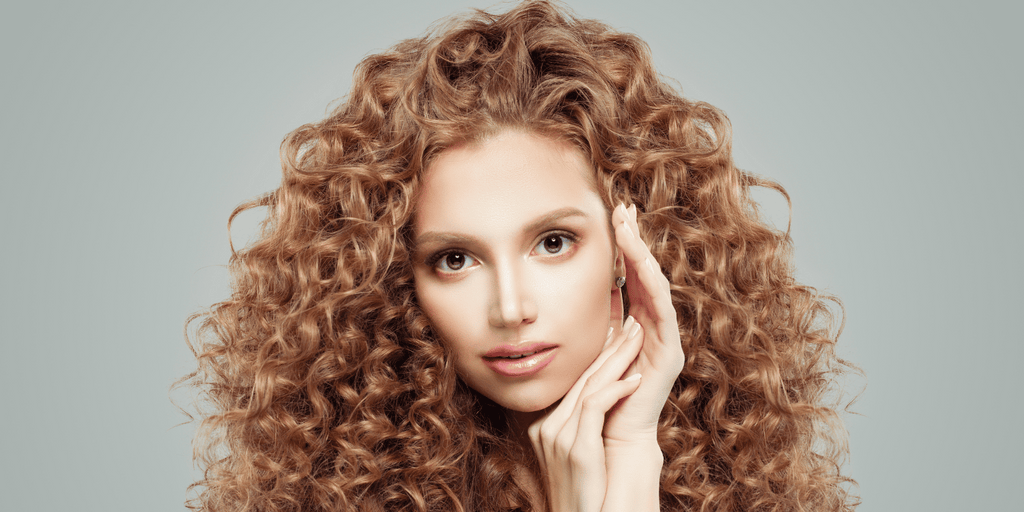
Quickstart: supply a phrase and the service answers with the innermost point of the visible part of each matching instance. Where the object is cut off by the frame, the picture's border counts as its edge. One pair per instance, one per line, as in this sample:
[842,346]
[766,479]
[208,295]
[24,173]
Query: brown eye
[553,245]
[455,261]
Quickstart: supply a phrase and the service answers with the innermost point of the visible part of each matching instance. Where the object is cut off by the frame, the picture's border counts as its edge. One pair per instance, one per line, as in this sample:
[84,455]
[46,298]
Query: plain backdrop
[131,129]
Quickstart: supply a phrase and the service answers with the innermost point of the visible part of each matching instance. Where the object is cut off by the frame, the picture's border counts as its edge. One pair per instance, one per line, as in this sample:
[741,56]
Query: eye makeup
[442,257]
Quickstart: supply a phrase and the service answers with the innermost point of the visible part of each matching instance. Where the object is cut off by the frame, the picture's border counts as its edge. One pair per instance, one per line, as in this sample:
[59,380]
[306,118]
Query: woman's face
[514,265]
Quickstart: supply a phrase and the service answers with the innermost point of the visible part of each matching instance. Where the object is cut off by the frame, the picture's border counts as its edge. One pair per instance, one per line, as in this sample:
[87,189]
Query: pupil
[455,261]
[553,243]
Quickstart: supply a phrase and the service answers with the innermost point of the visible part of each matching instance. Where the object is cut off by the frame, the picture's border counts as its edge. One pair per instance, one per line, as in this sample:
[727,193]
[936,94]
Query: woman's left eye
[555,244]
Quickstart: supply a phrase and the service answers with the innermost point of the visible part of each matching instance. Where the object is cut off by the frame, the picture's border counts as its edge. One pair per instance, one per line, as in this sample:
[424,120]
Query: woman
[451,306]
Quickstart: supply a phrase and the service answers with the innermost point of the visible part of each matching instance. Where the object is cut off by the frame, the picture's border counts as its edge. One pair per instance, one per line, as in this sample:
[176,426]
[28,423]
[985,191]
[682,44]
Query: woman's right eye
[453,262]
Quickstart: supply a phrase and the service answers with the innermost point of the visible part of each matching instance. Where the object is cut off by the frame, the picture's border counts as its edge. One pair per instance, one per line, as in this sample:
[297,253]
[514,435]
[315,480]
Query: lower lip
[521,367]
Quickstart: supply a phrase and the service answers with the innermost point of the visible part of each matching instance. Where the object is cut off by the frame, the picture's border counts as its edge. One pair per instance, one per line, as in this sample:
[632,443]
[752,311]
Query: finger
[649,288]
[646,284]
[565,408]
[611,346]
[615,338]
[629,241]
[613,350]
[594,408]
[589,414]
[616,364]
[556,432]
[659,292]
[655,267]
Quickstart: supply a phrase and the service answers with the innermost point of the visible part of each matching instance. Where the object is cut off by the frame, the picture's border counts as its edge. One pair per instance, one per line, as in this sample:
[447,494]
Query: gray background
[131,129]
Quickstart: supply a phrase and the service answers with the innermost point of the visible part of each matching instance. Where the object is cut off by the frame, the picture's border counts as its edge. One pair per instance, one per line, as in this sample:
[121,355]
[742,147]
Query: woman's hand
[590,462]
[661,358]
[568,439]
[633,459]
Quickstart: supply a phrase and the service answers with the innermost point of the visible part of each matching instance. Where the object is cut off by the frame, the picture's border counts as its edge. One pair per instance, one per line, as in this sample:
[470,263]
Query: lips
[520,360]
[519,350]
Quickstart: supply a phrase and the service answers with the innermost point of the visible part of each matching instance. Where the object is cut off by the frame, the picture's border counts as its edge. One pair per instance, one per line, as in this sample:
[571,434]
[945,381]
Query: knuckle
[546,433]
[534,433]
[578,457]
[563,445]
[591,402]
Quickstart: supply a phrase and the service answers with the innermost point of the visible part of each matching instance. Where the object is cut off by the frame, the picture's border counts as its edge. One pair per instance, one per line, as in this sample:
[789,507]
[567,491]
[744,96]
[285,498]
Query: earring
[620,281]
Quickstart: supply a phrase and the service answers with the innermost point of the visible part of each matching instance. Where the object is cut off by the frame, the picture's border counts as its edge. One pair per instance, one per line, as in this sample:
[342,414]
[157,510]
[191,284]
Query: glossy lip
[496,360]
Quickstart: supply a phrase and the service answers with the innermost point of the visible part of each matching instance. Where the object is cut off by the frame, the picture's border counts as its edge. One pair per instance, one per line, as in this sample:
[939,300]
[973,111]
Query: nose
[512,305]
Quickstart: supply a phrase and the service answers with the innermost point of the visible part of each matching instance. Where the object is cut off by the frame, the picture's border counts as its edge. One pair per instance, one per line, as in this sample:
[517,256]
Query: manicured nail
[628,231]
[610,331]
[628,323]
[649,264]
[633,332]
[632,212]
[634,377]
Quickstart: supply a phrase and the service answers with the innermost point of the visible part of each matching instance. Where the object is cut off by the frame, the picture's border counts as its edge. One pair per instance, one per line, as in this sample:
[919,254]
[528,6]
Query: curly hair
[327,389]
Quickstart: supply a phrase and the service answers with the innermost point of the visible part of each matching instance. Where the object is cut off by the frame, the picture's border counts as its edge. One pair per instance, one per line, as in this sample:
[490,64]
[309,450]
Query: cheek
[455,312]
[580,300]
[452,311]
[592,284]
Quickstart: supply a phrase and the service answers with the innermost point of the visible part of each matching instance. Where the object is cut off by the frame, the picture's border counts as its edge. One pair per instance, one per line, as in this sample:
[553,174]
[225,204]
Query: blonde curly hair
[326,386]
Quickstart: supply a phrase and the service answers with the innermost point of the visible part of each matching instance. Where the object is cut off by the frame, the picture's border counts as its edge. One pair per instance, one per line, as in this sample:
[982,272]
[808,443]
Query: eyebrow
[536,225]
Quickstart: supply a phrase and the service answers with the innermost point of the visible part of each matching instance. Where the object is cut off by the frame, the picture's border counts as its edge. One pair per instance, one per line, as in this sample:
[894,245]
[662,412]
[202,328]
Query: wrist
[634,476]
[646,449]
[645,457]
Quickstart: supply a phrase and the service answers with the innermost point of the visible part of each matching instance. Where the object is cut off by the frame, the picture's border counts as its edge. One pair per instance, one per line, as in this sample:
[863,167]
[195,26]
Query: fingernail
[632,211]
[634,377]
[628,323]
[633,332]
[629,231]
[610,331]
[649,264]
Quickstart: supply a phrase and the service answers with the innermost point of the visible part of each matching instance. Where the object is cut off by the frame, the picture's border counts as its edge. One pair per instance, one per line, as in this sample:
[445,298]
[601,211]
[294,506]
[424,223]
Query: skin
[491,269]
[520,216]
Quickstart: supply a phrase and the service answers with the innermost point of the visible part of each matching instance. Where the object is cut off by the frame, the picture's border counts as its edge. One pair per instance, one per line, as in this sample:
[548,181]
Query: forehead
[510,177]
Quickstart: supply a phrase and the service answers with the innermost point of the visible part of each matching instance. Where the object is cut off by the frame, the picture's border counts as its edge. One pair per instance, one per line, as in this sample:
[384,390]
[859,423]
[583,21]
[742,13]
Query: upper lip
[519,349]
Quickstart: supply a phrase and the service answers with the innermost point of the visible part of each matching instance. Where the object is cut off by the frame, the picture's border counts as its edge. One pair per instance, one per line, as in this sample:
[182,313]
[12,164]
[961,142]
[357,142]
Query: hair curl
[328,389]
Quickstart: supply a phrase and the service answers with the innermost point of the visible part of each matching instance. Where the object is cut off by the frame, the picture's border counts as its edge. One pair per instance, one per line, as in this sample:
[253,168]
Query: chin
[525,401]
[526,405]
[524,397]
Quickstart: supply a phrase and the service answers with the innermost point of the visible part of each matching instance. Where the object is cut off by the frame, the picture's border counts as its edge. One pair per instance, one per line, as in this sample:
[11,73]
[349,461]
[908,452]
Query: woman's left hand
[635,421]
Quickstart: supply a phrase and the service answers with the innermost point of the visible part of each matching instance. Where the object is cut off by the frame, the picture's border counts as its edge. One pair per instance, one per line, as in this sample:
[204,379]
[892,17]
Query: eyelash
[565,235]
[436,258]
